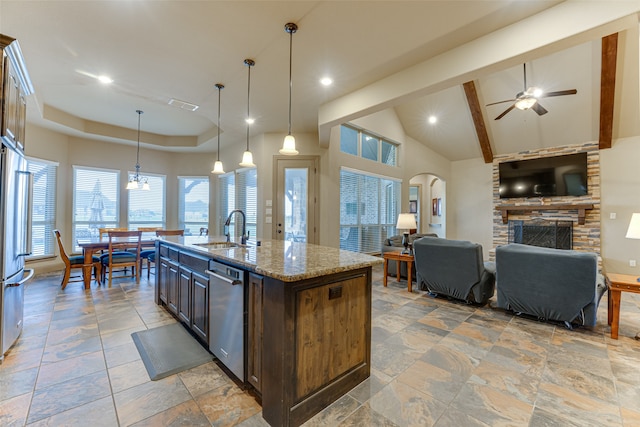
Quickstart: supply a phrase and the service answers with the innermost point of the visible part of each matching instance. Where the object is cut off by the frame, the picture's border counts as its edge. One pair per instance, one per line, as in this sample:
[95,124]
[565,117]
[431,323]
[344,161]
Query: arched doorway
[430,200]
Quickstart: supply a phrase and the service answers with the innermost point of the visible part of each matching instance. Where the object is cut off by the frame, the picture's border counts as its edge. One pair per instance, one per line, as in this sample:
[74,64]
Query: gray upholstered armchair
[454,268]
[551,284]
[394,244]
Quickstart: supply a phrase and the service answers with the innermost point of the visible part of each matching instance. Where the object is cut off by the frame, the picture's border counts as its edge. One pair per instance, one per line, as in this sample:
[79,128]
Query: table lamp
[407,221]
[633,232]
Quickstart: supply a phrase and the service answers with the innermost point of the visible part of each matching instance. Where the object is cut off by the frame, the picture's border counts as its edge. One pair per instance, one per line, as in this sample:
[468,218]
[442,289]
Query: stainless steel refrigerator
[15,242]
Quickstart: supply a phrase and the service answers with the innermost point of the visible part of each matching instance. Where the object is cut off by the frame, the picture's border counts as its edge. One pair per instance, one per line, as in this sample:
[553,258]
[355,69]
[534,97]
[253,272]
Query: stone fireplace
[582,212]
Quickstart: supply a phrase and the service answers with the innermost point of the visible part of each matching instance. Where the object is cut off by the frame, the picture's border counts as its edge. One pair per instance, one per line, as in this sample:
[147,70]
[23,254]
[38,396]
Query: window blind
[369,207]
[95,201]
[43,214]
[193,204]
[147,208]
[239,190]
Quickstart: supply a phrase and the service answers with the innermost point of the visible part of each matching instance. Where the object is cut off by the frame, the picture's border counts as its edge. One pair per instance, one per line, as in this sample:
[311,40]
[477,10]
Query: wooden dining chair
[103,231]
[123,251]
[151,259]
[145,251]
[75,261]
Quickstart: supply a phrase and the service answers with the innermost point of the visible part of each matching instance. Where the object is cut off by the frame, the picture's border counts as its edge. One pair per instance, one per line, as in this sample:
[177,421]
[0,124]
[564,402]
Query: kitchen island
[306,315]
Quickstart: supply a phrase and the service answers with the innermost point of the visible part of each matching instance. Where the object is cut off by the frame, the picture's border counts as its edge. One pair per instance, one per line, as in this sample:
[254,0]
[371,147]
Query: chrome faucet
[245,236]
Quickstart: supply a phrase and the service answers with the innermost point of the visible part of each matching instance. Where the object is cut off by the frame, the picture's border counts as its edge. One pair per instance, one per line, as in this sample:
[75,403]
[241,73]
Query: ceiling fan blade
[500,102]
[539,109]
[559,93]
[504,113]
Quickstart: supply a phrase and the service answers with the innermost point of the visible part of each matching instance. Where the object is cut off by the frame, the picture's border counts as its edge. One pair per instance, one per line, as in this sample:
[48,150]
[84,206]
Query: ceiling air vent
[183,105]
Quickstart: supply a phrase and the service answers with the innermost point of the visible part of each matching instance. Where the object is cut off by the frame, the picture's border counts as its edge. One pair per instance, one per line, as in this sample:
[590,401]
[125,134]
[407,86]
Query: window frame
[49,223]
[136,224]
[182,224]
[381,141]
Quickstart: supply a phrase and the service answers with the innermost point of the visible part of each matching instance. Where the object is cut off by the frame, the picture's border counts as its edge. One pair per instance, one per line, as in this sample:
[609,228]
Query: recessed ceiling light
[105,79]
[326,81]
[249,121]
[432,120]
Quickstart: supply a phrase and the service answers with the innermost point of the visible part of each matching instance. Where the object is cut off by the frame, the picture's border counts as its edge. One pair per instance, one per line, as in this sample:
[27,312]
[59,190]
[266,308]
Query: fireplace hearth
[543,233]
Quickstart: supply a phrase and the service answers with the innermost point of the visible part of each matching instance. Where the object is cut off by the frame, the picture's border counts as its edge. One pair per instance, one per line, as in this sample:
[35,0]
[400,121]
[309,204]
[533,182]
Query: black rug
[169,349]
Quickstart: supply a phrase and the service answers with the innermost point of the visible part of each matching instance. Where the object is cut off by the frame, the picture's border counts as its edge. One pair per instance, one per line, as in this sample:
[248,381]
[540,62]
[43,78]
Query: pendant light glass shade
[247,160]
[217,167]
[289,144]
[247,157]
[136,181]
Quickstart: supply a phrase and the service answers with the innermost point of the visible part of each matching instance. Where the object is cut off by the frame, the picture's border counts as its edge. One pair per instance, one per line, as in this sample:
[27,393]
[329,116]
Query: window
[193,204]
[368,146]
[95,201]
[368,210]
[239,190]
[146,208]
[43,214]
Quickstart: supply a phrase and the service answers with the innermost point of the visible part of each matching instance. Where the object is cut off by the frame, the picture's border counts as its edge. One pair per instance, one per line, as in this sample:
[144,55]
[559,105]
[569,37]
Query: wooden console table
[618,283]
[582,209]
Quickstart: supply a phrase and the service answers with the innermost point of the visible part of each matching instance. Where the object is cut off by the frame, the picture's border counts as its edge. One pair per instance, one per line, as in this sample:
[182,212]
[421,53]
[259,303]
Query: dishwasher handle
[224,278]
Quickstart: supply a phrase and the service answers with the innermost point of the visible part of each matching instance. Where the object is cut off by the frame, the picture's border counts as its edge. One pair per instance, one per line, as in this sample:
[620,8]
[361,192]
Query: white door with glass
[295,207]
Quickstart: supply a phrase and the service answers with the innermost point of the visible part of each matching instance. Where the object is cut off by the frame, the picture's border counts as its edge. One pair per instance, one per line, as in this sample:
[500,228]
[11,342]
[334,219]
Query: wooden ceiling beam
[478,121]
[607,88]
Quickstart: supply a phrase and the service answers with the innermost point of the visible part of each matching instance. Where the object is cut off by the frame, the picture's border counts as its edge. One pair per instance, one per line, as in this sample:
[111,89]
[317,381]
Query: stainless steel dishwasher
[227,316]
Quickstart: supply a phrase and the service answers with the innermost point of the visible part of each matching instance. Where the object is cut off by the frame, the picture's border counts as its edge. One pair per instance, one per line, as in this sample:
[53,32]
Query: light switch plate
[268,202]
[268,211]
[612,215]
[267,220]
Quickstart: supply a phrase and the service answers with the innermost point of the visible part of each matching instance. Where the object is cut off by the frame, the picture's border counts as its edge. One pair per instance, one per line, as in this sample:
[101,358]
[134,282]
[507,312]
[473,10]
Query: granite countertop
[282,260]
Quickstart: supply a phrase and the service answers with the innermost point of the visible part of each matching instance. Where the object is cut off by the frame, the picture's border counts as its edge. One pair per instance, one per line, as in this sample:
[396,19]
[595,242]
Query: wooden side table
[618,283]
[399,257]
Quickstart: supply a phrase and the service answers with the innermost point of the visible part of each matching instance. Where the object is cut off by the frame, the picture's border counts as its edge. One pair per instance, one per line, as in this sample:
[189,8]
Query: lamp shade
[633,232]
[406,221]
[247,160]
[289,146]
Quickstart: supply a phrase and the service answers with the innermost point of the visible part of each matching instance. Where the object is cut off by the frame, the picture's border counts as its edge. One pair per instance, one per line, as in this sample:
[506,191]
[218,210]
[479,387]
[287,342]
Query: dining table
[92,245]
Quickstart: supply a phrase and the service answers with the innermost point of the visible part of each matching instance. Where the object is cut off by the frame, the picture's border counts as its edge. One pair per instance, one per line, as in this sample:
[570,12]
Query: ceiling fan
[528,98]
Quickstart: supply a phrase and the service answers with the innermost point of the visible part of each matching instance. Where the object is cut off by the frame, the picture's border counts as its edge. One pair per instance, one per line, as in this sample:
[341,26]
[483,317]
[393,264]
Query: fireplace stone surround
[586,236]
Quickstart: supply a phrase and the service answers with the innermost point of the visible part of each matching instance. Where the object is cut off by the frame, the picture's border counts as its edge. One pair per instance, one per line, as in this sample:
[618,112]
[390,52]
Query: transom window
[367,145]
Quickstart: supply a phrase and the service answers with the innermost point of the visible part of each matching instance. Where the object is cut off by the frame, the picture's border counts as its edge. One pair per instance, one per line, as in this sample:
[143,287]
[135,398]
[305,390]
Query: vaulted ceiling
[156,51]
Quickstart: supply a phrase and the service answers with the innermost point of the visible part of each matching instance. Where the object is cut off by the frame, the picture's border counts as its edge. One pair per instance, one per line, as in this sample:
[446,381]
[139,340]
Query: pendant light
[217,167]
[136,179]
[247,157]
[289,144]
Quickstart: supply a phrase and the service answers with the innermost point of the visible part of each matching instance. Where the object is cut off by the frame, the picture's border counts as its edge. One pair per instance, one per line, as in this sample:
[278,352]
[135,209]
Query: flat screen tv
[544,177]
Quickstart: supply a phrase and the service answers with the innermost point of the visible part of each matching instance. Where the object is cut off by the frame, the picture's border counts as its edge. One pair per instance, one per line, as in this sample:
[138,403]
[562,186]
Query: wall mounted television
[544,177]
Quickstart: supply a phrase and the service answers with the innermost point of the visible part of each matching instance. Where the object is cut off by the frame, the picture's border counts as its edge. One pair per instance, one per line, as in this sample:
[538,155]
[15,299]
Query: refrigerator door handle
[28,249]
[30,272]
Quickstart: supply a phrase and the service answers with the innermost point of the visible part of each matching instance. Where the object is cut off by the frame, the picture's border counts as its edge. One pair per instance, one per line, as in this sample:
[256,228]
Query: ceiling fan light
[289,146]
[217,168]
[536,92]
[525,102]
[247,160]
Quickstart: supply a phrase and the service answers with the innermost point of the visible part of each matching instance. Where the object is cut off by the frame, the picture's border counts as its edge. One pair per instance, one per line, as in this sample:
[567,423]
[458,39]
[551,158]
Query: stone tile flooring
[434,362]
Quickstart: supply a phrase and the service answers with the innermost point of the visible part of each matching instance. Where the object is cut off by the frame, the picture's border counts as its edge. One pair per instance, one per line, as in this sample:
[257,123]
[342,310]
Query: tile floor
[434,362]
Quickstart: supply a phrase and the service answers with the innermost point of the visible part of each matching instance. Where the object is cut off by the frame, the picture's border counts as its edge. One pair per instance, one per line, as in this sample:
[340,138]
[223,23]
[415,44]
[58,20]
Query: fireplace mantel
[582,209]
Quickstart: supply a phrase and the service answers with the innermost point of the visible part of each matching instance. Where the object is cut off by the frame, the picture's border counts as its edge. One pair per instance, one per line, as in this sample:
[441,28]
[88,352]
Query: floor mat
[169,349]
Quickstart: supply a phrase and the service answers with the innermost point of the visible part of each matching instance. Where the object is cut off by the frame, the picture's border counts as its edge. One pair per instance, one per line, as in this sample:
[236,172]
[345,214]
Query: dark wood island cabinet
[307,317]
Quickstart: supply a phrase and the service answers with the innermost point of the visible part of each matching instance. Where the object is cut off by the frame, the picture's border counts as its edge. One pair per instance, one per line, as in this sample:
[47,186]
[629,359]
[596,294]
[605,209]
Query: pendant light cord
[138,149]
[291,31]
[249,63]
[220,87]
